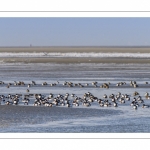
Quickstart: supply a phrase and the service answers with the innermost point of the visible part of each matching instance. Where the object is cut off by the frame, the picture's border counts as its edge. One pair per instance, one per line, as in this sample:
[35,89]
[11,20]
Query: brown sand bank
[77,49]
[76,60]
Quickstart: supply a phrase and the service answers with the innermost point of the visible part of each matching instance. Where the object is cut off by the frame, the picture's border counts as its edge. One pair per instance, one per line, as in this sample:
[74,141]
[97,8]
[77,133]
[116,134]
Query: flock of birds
[71,100]
[68,84]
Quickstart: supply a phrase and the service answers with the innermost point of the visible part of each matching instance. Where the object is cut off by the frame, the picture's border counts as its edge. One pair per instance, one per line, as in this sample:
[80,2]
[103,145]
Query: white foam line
[99,55]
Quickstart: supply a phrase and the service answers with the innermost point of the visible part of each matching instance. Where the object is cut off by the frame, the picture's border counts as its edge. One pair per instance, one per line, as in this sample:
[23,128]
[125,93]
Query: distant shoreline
[63,50]
[80,46]
[77,49]
[76,60]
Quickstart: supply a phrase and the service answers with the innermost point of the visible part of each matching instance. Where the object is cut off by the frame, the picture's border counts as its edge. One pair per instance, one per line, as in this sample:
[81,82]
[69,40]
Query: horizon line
[117,46]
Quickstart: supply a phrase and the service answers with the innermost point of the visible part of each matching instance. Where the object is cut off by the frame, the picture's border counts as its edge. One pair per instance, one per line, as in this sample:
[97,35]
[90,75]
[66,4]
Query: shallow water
[75,119]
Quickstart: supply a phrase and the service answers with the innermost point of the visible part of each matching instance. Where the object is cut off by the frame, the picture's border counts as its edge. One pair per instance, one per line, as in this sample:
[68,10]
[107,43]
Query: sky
[74,31]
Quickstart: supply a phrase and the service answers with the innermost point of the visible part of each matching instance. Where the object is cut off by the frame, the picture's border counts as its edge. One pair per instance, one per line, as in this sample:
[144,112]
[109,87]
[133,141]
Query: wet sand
[17,118]
[44,71]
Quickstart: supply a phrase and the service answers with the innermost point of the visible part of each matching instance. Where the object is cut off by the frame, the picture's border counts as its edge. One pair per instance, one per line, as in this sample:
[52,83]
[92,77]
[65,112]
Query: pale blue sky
[75,31]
